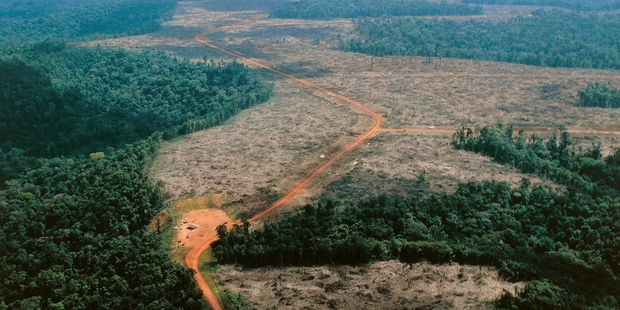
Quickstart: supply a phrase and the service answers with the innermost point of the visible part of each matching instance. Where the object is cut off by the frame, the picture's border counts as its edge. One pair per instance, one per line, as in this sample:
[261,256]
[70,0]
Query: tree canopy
[547,38]
[72,236]
[599,95]
[73,227]
[530,234]
[37,19]
[58,100]
[577,5]
[330,9]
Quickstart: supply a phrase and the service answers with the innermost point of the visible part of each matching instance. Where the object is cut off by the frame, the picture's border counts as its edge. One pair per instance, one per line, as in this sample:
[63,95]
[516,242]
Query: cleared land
[382,285]
[261,154]
[423,93]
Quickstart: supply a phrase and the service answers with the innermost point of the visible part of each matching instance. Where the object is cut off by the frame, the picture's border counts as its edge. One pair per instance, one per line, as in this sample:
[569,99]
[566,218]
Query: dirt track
[199,240]
[193,255]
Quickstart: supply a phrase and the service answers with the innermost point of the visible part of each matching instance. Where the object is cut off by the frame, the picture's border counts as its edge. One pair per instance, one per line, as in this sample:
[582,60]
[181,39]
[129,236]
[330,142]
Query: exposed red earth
[199,239]
[192,257]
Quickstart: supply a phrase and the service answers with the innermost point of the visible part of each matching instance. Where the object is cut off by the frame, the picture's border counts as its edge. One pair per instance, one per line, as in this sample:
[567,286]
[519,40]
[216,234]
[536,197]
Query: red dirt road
[371,132]
[199,240]
[205,242]
[192,257]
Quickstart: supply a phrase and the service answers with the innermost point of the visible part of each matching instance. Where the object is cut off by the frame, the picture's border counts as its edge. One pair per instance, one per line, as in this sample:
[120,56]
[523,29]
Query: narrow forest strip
[542,39]
[600,95]
[543,131]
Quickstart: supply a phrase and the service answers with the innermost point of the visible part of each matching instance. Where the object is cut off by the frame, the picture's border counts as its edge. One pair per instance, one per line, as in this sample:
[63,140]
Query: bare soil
[197,224]
[261,153]
[393,156]
[382,285]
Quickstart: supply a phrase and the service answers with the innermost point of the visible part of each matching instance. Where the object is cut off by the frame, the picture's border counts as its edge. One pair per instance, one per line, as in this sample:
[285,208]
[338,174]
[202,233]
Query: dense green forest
[72,236]
[58,100]
[569,244]
[73,225]
[330,9]
[27,20]
[547,38]
[564,244]
[577,5]
[599,95]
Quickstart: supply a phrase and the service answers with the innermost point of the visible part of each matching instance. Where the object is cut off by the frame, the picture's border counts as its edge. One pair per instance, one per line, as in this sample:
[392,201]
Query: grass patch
[178,255]
[233,212]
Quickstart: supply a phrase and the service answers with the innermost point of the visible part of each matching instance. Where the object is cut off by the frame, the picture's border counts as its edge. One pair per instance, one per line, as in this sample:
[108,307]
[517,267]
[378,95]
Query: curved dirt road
[192,257]
[203,236]
[191,260]
[376,118]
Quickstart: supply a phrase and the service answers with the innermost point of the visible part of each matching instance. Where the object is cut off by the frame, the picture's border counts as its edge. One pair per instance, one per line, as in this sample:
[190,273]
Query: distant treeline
[36,19]
[577,5]
[599,95]
[547,38]
[330,9]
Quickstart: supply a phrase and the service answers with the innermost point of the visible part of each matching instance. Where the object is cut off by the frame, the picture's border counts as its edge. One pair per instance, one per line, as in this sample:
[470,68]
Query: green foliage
[72,228]
[37,19]
[556,159]
[547,38]
[60,101]
[330,9]
[72,235]
[577,5]
[602,96]
[528,234]
[565,245]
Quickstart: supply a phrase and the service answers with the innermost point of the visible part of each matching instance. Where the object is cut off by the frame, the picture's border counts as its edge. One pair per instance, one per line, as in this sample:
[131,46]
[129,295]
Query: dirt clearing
[196,225]
[383,285]
[261,153]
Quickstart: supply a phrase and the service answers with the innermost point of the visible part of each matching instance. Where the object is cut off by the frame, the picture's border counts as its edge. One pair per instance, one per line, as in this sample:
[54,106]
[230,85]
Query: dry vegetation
[423,93]
[263,152]
[382,285]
